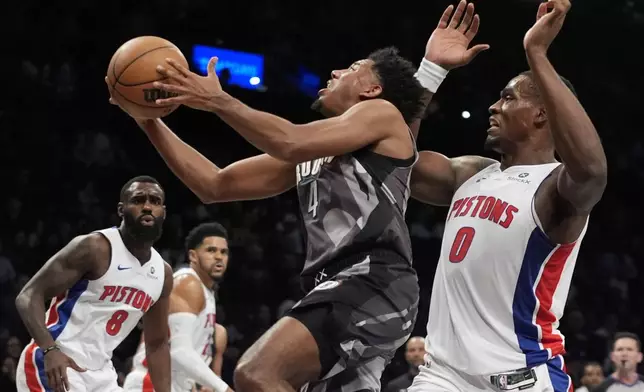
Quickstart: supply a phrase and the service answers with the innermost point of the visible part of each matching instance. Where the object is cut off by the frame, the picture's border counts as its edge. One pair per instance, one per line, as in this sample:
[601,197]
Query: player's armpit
[187,295]
[582,195]
[435,177]
[254,178]
[85,256]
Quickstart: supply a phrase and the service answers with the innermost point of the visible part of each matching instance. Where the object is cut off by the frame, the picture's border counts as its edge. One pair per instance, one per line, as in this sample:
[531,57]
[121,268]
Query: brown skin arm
[435,177]
[567,197]
[86,256]
[374,122]
[221,343]
[187,295]
[254,178]
[155,332]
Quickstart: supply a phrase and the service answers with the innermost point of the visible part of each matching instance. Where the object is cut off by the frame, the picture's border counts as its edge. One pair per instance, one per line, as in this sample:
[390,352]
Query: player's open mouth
[147,219]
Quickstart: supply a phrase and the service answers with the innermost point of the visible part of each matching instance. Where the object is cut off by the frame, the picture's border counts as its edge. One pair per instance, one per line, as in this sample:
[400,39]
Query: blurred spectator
[626,355]
[415,356]
[592,377]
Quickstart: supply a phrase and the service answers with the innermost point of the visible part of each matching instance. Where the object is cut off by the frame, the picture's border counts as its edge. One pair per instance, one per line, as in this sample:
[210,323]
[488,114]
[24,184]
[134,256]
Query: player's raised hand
[56,364]
[192,90]
[550,18]
[449,44]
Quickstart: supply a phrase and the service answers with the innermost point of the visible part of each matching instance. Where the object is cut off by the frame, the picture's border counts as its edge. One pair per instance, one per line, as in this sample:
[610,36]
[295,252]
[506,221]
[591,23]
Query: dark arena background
[65,151]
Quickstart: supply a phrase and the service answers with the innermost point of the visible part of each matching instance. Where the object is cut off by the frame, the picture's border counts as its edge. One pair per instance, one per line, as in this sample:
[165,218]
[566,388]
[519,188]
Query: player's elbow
[23,301]
[290,151]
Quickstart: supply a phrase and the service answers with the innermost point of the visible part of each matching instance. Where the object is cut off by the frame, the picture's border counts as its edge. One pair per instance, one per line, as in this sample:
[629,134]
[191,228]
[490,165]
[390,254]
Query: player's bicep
[254,178]
[187,295]
[433,179]
[79,257]
[581,195]
[365,124]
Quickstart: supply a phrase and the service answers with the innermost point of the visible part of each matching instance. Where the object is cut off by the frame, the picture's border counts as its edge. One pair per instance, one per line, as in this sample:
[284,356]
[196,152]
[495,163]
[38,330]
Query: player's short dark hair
[536,90]
[627,335]
[126,187]
[399,85]
[204,230]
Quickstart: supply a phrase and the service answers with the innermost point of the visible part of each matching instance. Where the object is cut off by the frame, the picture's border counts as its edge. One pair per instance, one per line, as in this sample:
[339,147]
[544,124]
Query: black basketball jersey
[354,203]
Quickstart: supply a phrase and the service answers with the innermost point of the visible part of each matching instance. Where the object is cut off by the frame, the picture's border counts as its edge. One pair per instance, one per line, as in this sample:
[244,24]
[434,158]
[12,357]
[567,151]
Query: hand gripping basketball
[193,90]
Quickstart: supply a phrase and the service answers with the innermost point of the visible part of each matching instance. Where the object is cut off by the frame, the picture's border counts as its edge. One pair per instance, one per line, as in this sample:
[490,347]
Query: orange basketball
[132,71]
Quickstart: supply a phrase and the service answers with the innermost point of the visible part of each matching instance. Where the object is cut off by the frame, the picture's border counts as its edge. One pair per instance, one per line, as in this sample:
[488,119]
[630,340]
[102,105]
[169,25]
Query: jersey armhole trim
[109,258]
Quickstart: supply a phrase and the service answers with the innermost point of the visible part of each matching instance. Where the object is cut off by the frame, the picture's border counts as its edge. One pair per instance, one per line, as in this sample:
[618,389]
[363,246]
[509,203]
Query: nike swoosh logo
[121,268]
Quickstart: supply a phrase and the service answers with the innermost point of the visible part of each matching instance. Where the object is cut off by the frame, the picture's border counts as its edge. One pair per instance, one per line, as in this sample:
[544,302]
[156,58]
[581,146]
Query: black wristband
[50,348]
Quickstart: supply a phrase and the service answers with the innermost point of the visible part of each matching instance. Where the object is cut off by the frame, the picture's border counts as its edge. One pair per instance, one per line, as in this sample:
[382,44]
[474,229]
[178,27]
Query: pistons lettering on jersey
[127,295]
[210,320]
[485,207]
[307,171]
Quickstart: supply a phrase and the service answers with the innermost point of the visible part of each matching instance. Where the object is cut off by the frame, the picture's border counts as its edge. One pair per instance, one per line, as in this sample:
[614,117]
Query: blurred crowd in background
[65,152]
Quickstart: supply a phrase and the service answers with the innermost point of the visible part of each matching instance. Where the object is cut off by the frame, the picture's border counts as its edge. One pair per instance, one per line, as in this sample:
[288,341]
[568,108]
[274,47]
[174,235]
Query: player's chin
[492,143]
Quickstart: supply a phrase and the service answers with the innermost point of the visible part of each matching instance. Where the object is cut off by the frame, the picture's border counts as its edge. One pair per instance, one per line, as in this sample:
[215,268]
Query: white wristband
[430,75]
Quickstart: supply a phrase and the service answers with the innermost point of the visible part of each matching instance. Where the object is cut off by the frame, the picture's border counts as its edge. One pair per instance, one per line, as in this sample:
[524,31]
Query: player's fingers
[474,27]
[171,88]
[212,66]
[183,71]
[178,100]
[467,19]
[475,50]
[64,379]
[442,24]
[458,14]
[75,366]
[54,380]
[542,11]
[169,73]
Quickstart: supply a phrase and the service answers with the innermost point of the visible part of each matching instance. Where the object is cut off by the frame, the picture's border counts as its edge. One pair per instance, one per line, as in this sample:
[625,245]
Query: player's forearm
[30,306]
[186,360]
[430,75]
[158,358]
[193,169]
[575,137]
[269,133]
[415,125]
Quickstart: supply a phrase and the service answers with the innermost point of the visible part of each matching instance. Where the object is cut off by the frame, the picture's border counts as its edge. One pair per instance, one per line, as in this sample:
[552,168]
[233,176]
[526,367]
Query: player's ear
[119,209]
[541,118]
[192,255]
[373,91]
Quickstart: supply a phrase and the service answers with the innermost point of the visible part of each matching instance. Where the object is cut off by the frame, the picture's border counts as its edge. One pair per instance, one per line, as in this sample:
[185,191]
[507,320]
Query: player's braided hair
[399,86]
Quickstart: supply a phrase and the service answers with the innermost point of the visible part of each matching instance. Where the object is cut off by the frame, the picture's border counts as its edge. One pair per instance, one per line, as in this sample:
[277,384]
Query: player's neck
[204,277]
[525,157]
[141,250]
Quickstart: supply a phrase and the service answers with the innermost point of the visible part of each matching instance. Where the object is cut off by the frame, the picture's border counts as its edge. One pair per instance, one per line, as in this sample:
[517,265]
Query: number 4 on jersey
[313,199]
[461,245]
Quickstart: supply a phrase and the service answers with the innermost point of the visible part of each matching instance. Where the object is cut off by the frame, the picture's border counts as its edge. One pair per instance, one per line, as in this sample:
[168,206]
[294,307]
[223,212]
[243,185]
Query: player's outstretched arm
[254,178]
[221,343]
[186,301]
[155,333]
[447,48]
[435,177]
[583,177]
[81,258]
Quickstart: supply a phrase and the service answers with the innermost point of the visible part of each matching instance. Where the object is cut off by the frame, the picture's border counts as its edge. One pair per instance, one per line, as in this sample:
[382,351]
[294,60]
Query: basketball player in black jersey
[351,171]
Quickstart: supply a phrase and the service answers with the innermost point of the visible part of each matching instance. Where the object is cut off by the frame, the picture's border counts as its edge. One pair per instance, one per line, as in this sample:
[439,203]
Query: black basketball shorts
[359,317]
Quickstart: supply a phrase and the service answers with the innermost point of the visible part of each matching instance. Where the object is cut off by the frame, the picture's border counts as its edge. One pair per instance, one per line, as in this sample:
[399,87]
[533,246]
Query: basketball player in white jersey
[192,317]
[102,284]
[513,230]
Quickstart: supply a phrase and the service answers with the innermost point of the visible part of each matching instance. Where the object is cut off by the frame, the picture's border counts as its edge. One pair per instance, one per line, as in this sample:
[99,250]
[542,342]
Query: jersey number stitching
[115,322]
[461,244]
[313,199]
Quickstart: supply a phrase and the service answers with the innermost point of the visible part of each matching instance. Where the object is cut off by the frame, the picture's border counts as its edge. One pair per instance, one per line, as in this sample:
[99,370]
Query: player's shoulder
[378,111]
[93,244]
[467,166]
[187,286]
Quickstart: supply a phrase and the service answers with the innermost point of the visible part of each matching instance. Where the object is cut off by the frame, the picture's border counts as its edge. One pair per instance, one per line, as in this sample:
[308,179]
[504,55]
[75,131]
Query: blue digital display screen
[246,69]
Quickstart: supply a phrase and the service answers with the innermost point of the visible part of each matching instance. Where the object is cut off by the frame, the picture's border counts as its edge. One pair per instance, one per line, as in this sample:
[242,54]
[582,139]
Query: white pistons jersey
[94,316]
[202,338]
[501,285]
